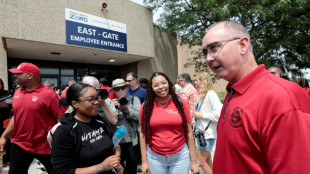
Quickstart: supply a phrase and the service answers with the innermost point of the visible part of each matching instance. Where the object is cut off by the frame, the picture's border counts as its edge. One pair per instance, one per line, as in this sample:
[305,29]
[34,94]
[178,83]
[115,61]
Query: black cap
[103,81]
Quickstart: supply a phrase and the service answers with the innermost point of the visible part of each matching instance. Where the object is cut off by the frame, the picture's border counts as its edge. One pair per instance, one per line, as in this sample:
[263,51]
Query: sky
[155,16]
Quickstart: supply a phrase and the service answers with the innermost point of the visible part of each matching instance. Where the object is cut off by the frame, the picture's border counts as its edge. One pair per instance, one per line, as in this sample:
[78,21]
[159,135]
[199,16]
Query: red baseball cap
[26,68]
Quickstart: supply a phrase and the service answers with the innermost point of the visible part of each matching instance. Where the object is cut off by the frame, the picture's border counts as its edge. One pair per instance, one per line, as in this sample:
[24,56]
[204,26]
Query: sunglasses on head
[119,88]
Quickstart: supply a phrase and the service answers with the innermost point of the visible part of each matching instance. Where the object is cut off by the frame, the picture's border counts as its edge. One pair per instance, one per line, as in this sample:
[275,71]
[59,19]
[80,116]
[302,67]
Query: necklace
[164,104]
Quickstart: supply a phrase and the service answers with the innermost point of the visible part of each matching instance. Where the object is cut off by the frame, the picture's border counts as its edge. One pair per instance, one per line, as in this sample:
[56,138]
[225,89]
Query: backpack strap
[75,133]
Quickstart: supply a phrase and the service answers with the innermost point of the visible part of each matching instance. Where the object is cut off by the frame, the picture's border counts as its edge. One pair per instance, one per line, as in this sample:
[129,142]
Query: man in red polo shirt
[264,124]
[36,110]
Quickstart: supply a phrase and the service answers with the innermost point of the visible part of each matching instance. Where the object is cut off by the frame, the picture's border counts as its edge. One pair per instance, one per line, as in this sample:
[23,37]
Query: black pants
[21,160]
[129,154]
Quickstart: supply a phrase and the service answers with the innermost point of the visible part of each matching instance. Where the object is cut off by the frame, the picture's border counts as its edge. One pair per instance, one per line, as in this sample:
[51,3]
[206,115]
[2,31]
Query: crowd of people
[261,127]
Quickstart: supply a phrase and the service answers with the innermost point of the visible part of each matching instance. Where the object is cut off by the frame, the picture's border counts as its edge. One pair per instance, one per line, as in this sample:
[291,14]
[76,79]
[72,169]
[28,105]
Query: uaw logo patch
[235,120]
[35,98]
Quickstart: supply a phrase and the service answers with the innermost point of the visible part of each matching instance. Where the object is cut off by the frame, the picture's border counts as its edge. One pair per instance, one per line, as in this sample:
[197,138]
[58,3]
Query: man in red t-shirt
[103,85]
[35,110]
[264,123]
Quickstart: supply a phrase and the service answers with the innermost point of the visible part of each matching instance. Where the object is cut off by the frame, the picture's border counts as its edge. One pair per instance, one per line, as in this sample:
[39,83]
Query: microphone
[117,137]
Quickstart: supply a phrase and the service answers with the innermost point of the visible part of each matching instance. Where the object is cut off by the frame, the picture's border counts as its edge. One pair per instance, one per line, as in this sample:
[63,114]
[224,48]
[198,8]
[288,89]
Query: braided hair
[149,104]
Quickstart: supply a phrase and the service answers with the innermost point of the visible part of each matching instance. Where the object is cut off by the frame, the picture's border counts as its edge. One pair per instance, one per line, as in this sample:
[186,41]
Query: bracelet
[194,162]
[96,168]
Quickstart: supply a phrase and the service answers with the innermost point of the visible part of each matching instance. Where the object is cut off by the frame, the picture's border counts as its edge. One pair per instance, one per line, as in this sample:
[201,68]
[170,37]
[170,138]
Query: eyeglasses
[129,80]
[180,81]
[213,48]
[91,100]
[119,88]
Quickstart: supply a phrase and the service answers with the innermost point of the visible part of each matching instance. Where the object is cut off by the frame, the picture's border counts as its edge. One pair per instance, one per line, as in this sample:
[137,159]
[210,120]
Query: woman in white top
[207,113]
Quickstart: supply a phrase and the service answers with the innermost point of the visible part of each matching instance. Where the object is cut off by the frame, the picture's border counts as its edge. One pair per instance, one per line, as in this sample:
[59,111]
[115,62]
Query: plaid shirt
[189,93]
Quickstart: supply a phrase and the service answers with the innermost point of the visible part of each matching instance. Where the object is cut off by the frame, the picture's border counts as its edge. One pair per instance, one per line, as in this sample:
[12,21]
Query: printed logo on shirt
[35,98]
[235,120]
[93,136]
[170,111]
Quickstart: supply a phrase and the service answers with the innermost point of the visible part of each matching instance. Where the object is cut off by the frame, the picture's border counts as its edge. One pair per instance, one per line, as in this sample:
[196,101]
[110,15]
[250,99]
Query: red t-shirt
[35,113]
[265,128]
[64,94]
[167,130]
[112,95]
[307,89]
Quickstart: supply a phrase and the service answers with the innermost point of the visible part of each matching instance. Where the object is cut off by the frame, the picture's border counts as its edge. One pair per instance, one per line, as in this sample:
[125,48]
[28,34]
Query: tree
[279,30]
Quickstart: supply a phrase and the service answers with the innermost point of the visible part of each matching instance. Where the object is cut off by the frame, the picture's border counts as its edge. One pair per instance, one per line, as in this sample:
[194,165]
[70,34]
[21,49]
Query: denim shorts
[178,163]
[209,146]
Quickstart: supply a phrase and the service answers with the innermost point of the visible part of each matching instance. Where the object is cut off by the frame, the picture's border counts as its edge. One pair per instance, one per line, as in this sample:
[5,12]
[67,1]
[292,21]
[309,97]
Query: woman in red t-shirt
[166,137]
[303,82]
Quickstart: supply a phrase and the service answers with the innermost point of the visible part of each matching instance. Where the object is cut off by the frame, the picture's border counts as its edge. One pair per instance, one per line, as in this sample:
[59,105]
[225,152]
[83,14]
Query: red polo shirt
[35,113]
[265,128]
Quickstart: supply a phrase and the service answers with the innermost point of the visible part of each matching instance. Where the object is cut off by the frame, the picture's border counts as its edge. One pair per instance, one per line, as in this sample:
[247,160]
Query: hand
[145,168]
[195,167]
[115,103]
[120,169]
[197,114]
[124,108]
[57,92]
[2,146]
[111,162]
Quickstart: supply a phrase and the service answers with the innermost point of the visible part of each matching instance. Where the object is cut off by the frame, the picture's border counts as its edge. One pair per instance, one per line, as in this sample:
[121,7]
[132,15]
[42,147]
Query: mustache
[214,64]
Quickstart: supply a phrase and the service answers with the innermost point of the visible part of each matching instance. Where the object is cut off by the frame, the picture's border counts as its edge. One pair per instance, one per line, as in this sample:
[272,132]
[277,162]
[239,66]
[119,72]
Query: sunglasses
[129,80]
[119,88]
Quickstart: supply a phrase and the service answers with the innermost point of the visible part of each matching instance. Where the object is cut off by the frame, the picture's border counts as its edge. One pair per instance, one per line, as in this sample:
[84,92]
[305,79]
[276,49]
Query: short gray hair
[186,77]
[49,84]
[91,80]
[235,26]
[134,75]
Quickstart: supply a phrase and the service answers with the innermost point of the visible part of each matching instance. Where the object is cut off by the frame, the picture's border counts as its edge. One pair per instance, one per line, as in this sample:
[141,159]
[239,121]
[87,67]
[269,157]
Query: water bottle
[118,135]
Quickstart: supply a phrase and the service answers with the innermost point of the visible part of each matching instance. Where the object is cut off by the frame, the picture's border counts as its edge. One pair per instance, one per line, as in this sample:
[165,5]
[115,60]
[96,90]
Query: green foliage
[279,29]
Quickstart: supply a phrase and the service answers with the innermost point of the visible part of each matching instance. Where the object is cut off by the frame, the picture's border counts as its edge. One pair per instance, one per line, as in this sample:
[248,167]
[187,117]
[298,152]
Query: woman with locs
[82,144]
[208,109]
[166,137]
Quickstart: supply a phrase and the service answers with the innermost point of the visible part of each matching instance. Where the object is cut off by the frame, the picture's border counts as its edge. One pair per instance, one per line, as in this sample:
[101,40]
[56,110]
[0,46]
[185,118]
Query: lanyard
[230,96]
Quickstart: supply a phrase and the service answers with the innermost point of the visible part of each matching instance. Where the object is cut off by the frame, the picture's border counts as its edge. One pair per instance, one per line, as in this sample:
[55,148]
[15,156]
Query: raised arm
[109,110]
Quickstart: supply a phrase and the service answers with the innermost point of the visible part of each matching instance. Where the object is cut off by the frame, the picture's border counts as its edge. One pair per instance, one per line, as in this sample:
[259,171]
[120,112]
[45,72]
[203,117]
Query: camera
[56,88]
[103,94]
[122,101]
[200,135]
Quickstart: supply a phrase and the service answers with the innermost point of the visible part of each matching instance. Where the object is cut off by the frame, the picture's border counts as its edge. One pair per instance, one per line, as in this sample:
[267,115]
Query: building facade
[69,39]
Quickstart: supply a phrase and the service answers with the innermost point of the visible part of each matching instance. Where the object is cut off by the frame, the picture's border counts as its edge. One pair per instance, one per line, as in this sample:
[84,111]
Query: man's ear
[29,76]
[244,45]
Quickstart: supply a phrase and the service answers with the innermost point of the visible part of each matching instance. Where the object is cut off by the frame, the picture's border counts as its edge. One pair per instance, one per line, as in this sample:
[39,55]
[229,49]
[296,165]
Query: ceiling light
[111,60]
